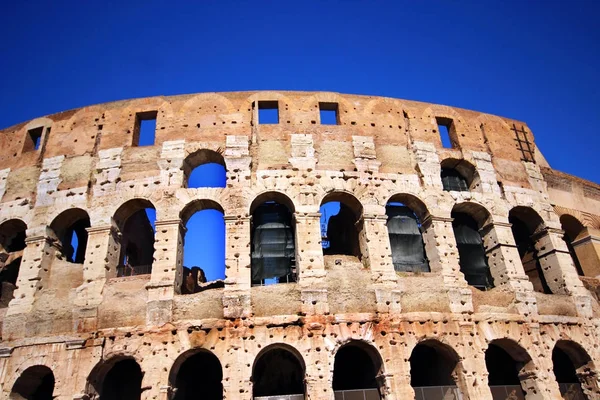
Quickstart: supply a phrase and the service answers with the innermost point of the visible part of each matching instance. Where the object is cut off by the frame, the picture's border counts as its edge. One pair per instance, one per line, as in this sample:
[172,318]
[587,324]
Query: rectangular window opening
[145,128]
[34,139]
[268,112]
[445,128]
[328,113]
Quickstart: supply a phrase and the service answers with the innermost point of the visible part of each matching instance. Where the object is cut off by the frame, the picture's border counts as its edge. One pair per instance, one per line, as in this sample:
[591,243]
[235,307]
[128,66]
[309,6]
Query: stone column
[236,297]
[440,246]
[378,254]
[167,271]
[101,260]
[506,267]
[310,264]
[559,270]
[587,248]
[33,273]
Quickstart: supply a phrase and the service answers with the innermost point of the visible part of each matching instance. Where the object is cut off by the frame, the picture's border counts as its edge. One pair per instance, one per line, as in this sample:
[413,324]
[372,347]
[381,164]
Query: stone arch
[527,226]
[69,223]
[436,369]
[571,360]
[467,220]
[413,202]
[35,382]
[273,239]
[200,158]
[117,377]
[278,370]
[511,370]
[344,229]
[136,243]
[452,169]
[194,371]
[358,366]
[208,271]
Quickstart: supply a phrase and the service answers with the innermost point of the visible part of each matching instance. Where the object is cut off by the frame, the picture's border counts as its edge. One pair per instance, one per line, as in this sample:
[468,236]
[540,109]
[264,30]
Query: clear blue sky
[533,60]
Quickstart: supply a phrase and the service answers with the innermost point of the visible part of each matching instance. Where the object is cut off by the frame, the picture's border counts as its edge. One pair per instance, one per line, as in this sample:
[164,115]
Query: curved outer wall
[73,318]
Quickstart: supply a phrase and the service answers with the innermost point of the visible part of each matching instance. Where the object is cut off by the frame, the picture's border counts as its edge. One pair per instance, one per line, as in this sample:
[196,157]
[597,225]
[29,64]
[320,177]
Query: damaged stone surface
[79,320]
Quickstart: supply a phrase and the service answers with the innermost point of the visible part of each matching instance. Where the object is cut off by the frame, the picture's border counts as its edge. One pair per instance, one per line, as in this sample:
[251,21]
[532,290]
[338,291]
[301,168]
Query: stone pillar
[33,273]
[309,263]
[440,246]
[587,248]
[506,267]
[559,270]
[101,260]
[236,297]
[378,254]
[167,272]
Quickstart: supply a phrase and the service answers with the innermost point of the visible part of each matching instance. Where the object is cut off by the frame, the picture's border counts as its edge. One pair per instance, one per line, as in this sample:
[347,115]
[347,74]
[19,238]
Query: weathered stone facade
[79,319]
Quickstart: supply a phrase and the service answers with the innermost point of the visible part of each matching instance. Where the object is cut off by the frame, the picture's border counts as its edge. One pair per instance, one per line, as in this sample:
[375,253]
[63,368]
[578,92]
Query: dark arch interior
[137,241]
[529,255]
[572,228]
[339,232]
[502,368]
[453,180]
[564,370]
[199,376]
[431,367]
[472,258]
[12,239]
[123,381]
[278,372]
[355,368]
[73,240]
[404,230]
[273,244]
[35,383]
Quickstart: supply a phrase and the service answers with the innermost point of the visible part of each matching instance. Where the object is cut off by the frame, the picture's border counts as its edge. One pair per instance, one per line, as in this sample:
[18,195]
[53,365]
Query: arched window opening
[273,242]
[278,371]
[574,371]
[204,168]
[434,372]
[572,228]
[204,247]
[406,240]
[70,228]
[341,217]
[504,371]
[471,253]
[12,242]
[196,375]
[123,381]
[524,224]
[357,371]
[136,220]
[35,383]
[453,180]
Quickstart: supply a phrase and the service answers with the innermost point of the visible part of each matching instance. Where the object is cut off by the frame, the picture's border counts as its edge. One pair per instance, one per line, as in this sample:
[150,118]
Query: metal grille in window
[523,144]
[452,180]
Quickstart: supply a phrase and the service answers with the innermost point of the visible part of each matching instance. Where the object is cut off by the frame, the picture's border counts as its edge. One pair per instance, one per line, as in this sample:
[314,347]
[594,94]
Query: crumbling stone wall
[78,320]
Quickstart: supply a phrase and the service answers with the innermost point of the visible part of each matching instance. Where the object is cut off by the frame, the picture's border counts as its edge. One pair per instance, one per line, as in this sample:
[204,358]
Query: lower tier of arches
[426,357]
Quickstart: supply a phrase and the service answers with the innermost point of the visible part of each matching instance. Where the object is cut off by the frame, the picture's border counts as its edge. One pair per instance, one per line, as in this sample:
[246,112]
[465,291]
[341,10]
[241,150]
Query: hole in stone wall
[503,377]
[70,230]
[268,112]
[357,366]
[145,128]
[200,375]
[445,129]
[340,214]
[205,168]
[329,113]
[123,381]
[33,140]
[433,364]
[12,240]
[572,228]
[136,220]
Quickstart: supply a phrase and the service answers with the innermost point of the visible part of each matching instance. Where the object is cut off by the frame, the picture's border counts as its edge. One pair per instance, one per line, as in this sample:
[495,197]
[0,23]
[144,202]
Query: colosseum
[373,248]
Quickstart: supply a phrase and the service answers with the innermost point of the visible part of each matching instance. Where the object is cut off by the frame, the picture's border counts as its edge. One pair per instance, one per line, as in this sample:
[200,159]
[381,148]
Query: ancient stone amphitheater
[459,265]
